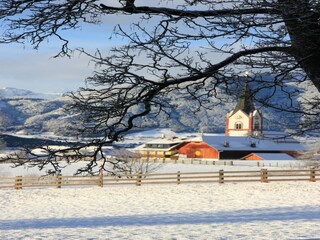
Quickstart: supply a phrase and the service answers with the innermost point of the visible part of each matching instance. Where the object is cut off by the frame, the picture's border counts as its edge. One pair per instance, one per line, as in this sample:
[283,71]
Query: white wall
[239,116]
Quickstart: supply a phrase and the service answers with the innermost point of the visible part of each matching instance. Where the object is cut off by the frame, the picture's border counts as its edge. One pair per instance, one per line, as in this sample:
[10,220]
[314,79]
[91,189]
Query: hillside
[27,113]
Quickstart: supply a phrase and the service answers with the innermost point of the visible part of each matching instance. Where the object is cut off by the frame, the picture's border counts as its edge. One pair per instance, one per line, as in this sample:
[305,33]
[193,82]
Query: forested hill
[26,112]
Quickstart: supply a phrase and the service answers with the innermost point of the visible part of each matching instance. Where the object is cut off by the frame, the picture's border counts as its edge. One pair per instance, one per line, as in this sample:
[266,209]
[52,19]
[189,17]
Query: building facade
[244,119]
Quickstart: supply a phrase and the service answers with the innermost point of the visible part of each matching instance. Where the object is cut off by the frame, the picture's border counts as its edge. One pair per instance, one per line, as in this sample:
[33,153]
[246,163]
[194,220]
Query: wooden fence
[49,181]
[293,164]
[221,176]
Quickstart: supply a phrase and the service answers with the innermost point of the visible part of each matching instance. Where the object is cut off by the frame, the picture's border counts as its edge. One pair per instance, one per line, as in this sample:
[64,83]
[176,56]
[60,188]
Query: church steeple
[245,102]
[244,120]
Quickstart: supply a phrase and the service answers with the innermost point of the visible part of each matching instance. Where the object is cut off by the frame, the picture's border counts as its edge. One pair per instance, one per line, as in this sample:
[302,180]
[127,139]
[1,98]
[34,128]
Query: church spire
[245,102]
[244,120]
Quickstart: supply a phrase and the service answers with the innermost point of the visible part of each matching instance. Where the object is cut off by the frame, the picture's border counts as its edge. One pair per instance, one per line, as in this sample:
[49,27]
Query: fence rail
[263,175]
[294,164]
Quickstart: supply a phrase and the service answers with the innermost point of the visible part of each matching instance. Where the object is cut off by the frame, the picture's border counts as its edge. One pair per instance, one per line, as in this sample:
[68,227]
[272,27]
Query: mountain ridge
[23,111]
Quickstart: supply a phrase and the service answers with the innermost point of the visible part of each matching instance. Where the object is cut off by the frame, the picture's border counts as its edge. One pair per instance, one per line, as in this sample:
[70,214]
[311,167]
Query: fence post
[138,181]
[178,177]
[18,182]
[101,179]
[221,176]
[264,175]
[312,175]
[59,181]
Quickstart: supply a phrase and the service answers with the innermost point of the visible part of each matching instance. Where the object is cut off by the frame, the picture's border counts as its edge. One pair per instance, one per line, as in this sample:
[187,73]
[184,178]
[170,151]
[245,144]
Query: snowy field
[194,211]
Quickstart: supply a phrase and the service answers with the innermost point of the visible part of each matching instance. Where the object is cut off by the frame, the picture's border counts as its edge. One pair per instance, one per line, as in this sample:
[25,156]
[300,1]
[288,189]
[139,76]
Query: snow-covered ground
[187,211]
[202,211]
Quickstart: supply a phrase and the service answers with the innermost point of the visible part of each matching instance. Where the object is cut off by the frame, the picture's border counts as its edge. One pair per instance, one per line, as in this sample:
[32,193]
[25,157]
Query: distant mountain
[8,92]
[25,112]
[16,141]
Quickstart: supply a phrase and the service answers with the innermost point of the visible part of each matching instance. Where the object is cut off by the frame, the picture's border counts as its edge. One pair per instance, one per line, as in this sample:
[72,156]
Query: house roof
[166,141]
[244,144]
[172,143]
[271,156]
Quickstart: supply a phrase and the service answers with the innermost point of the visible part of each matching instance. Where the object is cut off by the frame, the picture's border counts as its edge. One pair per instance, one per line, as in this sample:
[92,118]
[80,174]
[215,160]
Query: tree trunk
[302,22]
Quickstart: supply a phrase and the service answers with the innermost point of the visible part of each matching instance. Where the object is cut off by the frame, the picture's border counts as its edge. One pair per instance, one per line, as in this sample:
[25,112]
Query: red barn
[217,147]
[198,150]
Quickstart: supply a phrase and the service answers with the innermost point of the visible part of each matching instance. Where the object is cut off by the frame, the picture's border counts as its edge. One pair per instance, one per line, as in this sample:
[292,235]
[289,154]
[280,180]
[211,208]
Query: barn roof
[271,156]
[246,143]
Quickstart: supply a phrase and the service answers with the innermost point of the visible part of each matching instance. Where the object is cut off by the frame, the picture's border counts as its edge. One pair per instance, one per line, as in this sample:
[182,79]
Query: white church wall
[239,116]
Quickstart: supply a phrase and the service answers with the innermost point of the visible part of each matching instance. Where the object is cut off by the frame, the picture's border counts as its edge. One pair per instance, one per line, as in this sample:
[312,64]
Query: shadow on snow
[241,216]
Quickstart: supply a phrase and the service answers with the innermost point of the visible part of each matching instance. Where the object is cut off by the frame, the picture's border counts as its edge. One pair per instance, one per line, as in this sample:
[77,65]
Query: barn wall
[198,150]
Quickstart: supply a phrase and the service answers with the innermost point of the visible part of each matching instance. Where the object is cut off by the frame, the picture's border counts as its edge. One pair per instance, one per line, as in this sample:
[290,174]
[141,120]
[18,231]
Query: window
[197,153]
[238,125]
[256,126]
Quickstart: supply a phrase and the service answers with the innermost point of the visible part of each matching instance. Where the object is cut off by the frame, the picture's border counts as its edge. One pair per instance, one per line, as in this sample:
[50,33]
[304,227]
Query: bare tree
[312,156]
[199,48]
[124,162]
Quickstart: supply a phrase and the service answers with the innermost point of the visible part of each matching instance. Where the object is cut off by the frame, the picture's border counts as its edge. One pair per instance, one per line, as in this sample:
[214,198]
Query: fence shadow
[244,216]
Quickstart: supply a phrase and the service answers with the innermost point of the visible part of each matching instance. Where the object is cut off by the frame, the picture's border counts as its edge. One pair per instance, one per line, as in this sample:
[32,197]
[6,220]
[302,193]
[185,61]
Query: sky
[23,67]
[26,68]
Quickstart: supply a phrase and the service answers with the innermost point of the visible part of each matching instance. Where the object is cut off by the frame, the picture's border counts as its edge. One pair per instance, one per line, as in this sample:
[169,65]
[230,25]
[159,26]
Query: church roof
[245,102]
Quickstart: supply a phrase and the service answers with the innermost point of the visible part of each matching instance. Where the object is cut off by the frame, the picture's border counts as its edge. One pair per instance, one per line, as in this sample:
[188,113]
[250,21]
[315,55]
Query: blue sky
[26,68]
[23,67]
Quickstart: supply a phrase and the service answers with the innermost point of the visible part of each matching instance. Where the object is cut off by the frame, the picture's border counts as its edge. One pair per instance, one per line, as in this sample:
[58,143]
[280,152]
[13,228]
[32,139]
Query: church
[244,119]
[244,139]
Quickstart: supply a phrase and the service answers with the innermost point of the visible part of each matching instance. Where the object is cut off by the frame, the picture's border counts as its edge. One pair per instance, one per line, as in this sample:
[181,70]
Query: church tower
[244,120]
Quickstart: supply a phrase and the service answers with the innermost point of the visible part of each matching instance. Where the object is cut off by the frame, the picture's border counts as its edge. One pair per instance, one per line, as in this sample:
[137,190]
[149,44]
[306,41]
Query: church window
[256,126]
[238,125]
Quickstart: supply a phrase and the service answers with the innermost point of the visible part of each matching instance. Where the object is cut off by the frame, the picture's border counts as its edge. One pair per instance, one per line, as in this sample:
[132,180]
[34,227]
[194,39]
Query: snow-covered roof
[278,136]
[245,144]
[166,141]
[272,156]
[171,143]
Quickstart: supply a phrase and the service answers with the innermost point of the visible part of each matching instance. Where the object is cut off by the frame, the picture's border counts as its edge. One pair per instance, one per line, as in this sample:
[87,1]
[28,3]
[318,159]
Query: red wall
[204,150]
